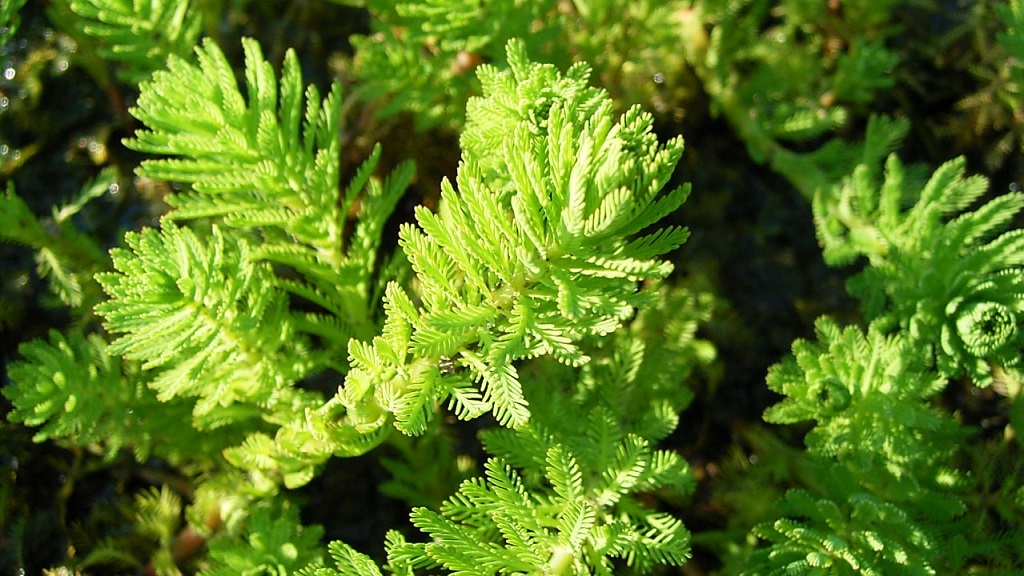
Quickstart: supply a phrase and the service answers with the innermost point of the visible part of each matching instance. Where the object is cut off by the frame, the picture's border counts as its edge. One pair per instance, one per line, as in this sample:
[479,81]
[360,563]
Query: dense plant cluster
[515,360]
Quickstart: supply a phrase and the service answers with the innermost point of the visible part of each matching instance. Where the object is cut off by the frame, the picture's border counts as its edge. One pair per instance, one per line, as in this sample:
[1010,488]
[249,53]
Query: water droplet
[659,78]
[4,149]
[97,152]
[114,189]
[10,73]
[1014,187]
[5,102]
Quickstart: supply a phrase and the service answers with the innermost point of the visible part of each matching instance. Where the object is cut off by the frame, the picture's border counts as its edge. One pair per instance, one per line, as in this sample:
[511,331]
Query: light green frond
[199,313]
[631,460]
[377,203]
[72,388]
[859,535]
[50,386]
[158,513]
[253,152]
[140,34]
[876,427]
[562,470]
[948,191]
[269,161]
[498,525]
[848,383]
[347,562]
[501,390]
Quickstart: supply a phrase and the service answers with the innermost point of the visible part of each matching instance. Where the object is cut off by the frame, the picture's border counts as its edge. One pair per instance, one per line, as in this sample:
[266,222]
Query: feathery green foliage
[573,506]
[203,316]
[948,277]
[497,526]
[212,311]
[869,397]
[882,454]
[785,74]
[261,330]
[74,389]
[269,162]
[138,34]
[158,517]
[422,57]
[863,392]
[535,252]
[860,535]
[941,290]
[782,73]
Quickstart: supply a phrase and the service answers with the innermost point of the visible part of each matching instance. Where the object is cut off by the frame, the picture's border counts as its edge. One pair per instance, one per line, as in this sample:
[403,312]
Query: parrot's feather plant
[948,278]
[265,271]
[271,320]
[942,294]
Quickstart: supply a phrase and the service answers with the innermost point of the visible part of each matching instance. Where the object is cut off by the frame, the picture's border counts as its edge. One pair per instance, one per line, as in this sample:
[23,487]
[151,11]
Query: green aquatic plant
[947,277]
[941,291]
[514,360]
[264,268]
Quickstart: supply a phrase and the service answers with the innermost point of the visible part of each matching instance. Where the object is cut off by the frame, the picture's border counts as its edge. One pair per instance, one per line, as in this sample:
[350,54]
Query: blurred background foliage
[771,97]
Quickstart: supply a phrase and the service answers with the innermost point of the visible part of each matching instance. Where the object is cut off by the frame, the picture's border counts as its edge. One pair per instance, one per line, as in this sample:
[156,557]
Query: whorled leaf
[203,316]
